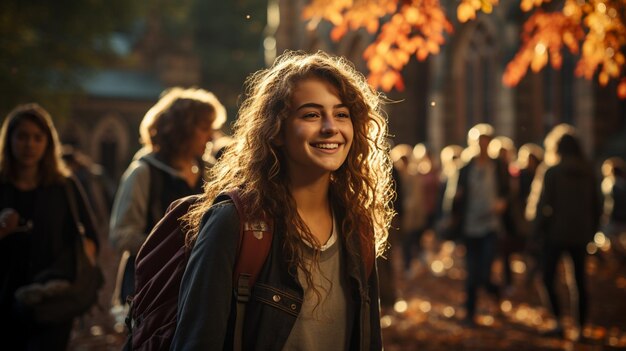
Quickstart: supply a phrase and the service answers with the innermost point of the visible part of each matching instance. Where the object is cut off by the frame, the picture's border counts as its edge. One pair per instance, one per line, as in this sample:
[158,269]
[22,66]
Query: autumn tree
[594,30]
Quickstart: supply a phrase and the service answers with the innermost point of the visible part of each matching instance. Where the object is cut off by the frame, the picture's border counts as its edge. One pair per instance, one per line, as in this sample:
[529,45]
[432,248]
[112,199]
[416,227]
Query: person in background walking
[404,177]
[509,239]
[175,133]
[529,157]
[567,217]
[421,186]
[479,202]
[614,209]
[99,189]
[450,160]
[37,228]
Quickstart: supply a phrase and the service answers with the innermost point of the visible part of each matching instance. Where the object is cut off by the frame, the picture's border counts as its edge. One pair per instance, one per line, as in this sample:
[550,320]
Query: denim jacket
[207,303]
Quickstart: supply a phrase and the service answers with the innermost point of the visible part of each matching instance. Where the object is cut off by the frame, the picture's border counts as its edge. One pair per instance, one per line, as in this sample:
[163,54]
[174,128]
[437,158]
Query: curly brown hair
[52,169]
[168,125]
[253,163]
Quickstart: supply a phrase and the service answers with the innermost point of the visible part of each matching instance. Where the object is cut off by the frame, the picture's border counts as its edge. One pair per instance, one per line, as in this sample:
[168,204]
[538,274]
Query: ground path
[427,318]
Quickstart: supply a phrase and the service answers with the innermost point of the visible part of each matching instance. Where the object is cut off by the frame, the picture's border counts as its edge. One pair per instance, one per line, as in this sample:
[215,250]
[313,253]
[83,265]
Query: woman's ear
[278,140]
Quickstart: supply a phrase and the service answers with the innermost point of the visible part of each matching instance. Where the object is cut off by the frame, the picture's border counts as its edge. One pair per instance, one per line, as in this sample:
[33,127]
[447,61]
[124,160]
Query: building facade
[450,92]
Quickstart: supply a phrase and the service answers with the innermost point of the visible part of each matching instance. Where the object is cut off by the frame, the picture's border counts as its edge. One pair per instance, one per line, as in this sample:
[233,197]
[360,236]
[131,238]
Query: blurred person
[317,126]
[479,201]
[450,160]
[99,189]
[174,134]
[449,157]
[401,156]
[509,238]
[37,227]
[567,217]
[550,158]
[529,158]
[386,270]
[614,204]
[419,204]
[399,159]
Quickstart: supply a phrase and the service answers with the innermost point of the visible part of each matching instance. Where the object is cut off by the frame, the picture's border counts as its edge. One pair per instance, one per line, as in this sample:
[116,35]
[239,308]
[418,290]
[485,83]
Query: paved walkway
[430,307]
[431,299]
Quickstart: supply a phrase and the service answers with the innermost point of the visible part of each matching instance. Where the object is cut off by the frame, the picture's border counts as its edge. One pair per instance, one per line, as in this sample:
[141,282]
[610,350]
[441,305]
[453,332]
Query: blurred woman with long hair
[174,134]
[37,227]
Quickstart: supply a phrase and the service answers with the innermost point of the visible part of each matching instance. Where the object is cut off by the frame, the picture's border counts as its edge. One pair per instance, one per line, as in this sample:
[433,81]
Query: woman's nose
[329,127]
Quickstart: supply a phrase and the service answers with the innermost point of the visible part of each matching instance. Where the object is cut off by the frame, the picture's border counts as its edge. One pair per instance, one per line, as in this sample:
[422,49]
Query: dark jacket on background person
[459,204]
[148,187]
[47,243]
[568,211]
[276,297]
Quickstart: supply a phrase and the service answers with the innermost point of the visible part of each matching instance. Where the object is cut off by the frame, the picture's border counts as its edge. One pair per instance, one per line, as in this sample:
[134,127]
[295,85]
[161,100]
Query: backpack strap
[368,255]
[155,203]
[255,240]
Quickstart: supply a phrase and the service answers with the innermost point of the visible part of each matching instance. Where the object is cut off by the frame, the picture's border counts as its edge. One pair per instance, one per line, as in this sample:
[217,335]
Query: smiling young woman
[315,124]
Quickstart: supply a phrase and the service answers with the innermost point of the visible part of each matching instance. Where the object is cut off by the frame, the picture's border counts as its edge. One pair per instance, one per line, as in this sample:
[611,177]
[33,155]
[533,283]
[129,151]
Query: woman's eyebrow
[314,105]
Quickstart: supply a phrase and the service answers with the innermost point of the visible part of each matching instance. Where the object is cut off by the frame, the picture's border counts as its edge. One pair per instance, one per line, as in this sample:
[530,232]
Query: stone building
[105,118]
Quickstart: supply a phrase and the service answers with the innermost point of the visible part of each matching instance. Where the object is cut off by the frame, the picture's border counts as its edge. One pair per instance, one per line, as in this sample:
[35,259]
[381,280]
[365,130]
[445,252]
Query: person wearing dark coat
[479,203]
[567,217]
[37,228]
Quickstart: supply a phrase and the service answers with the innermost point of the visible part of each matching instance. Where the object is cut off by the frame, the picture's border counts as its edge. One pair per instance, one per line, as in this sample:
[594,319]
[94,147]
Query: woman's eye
[343,115]
[310,115]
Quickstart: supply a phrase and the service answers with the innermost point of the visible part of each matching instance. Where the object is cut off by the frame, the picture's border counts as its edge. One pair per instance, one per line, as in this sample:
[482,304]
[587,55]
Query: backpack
[160,265]
[162,260]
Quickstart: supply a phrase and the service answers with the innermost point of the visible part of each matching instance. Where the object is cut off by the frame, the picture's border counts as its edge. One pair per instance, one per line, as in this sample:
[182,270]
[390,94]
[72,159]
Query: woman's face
[318,131]
[203,133]
[28,144]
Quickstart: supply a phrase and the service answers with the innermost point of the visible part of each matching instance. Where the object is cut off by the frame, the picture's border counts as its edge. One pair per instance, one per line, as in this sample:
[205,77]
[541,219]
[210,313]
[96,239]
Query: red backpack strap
[255,240]
[254,244]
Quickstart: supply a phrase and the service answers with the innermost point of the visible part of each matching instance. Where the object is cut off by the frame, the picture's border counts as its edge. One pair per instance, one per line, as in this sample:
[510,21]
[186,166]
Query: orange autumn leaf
[389,79]
[621,89]
[593,30]
[338,32]
[465,12]
[538,62]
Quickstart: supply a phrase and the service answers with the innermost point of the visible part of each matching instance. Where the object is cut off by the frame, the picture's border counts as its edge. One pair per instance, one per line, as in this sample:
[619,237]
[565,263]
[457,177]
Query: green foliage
[45,44]
[229,44]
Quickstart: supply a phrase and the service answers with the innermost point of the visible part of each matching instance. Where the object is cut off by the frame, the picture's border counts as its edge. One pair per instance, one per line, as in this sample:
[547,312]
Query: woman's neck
[184,163]
[312,202]
[188,168]
[27,178]
[310,197]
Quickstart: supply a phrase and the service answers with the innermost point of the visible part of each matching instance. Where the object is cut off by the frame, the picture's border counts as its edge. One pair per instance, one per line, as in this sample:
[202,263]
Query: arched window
[475,68]
[480,63]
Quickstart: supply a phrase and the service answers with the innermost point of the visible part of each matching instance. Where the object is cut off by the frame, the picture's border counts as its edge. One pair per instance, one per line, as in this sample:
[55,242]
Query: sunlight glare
[400,306]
